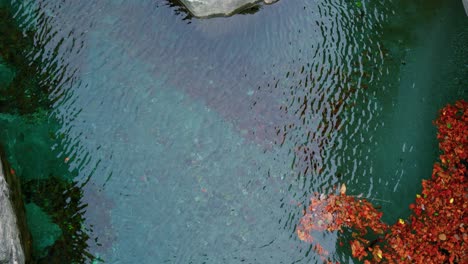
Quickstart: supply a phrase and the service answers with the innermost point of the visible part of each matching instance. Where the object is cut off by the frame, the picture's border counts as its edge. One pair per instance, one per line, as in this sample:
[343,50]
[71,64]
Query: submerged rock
[15,242]
[205,8]
[30,136]
[43,230]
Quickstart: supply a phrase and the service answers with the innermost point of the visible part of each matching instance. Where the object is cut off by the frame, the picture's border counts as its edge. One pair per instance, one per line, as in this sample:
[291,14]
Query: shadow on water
[142,138]
[179,9]
[21,91]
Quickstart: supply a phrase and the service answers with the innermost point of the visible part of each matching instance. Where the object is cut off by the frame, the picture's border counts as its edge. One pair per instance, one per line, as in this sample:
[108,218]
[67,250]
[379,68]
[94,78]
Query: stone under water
[205,8]
[43,230]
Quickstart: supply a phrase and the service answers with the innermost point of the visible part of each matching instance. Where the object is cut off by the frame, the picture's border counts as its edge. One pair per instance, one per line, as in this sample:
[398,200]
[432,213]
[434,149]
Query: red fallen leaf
[436,229]
[304,236]
[357,250]
[12,171]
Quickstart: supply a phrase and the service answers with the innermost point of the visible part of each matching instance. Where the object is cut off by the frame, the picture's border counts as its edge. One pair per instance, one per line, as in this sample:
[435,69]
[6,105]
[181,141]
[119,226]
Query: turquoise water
[168,139]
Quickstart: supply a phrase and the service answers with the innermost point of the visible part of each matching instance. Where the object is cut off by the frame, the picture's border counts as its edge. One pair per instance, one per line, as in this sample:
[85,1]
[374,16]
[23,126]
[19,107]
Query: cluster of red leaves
[335,212]
[434,233]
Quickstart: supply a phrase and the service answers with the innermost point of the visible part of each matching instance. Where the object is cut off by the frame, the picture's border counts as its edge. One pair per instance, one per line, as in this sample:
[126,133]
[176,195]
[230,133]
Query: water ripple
[201,140]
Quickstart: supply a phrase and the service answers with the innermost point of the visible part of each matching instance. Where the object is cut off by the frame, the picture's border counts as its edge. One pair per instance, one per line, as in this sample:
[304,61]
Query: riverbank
[49,204]
[15,239]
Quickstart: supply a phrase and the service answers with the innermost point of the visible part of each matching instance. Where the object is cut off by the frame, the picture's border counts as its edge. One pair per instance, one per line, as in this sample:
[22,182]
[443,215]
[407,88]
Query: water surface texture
[201,140]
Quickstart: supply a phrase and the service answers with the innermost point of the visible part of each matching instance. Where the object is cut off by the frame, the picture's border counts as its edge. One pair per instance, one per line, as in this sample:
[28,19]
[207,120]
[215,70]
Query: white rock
[10,246]
[465,4]
[205,8]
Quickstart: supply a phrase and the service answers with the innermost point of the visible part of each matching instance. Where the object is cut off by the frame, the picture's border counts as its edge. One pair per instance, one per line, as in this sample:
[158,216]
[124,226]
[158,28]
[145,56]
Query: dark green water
[142,135]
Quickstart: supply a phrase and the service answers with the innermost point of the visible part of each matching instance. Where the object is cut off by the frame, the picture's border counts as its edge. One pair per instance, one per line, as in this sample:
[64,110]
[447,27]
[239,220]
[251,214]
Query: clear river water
[144,135]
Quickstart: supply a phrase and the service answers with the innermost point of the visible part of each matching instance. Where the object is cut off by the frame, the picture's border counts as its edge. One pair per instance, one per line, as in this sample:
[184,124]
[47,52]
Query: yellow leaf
[451,200]
[418,196]
[401,221]
[377,254]
[343,189]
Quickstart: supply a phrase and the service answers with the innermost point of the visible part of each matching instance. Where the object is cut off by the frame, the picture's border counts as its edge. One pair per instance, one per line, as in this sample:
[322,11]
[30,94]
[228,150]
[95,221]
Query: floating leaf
[377,254]
[343,189]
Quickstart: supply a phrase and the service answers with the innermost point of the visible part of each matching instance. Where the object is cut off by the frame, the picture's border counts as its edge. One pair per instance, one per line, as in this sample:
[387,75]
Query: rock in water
[205,8]
[43,230]
[465,4]
[15,242]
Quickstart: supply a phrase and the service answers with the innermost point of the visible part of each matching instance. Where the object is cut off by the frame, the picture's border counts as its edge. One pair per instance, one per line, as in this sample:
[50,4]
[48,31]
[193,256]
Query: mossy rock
[44,232]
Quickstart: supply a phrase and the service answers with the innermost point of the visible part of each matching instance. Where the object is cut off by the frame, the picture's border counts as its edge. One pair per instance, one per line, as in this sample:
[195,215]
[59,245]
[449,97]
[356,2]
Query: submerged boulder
[205,8]
[43,230]
[15,241]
